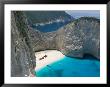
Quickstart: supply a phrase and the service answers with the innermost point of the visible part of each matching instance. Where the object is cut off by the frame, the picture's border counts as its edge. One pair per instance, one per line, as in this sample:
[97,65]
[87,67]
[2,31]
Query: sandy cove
[52,56]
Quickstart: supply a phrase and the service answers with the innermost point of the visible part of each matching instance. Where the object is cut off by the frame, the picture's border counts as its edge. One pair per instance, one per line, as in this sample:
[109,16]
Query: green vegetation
[45,16]
[87,18]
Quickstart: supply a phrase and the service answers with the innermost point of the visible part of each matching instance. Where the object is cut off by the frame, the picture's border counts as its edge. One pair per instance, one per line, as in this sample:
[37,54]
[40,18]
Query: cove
[71,67]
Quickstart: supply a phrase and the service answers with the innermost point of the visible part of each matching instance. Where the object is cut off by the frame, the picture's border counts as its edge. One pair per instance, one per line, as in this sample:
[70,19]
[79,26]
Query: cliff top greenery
[45,16]
[87,18]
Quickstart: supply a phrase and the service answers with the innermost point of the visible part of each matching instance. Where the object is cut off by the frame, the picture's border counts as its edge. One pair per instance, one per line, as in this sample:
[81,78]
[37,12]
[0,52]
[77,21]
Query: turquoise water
[72,67]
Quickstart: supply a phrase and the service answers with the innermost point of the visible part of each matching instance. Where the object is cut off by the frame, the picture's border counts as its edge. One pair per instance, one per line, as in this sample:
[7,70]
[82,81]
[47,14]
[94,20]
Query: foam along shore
[51,56]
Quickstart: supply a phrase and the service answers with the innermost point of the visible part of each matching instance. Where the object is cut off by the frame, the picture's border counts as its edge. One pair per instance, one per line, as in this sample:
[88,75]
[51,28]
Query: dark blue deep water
[50,27]
[71,67]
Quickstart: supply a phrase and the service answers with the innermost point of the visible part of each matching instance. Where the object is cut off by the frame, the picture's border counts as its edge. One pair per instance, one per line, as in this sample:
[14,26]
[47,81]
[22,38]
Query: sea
[50,27]
[88,66]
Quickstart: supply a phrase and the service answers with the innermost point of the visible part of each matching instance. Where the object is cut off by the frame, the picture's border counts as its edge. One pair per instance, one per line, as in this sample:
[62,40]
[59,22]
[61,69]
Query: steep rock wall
[75,39]
[22,55]
[80,37]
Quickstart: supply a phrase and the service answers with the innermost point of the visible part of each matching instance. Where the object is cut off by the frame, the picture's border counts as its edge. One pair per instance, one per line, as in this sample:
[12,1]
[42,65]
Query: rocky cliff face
[75,39]
[22,54]
[80,37]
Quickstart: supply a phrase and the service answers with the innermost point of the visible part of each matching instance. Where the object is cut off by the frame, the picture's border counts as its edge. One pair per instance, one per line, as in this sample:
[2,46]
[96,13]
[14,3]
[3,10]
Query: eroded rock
[22,55]
[75,39]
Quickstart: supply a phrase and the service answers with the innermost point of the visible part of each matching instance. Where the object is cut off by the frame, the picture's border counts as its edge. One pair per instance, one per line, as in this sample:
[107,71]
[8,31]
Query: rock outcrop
[80,37]
[22,55]
[75,39]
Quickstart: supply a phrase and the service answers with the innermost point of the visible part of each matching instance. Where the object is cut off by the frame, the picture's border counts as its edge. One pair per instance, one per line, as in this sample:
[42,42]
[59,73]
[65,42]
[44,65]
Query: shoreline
[51,56]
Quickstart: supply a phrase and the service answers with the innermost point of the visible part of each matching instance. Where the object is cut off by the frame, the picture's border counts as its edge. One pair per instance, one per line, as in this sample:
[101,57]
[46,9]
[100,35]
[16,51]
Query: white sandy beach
[52,56]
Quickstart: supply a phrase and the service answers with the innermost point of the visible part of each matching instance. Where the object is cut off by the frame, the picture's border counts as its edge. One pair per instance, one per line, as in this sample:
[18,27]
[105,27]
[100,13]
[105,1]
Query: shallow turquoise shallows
[71,67]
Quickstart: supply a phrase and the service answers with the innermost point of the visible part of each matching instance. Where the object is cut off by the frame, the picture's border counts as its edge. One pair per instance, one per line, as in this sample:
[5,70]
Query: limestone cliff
[80,37]
[22,55]
[75,39]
